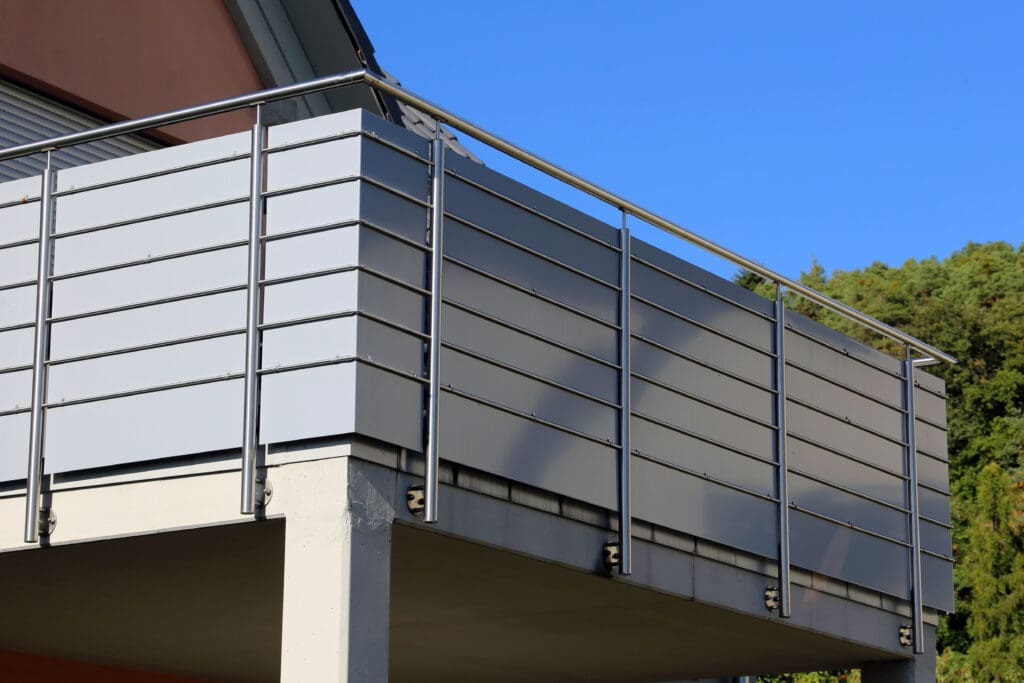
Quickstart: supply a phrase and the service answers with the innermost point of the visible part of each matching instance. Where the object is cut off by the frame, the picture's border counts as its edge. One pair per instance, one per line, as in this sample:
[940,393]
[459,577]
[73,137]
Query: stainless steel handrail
[499,143]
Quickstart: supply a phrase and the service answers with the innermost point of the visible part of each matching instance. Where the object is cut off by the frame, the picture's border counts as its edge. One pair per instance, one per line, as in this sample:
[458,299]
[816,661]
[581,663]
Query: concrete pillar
[920,669]
[337,574]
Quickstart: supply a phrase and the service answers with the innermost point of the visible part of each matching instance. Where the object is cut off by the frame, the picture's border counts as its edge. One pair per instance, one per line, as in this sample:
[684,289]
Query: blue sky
[851,132]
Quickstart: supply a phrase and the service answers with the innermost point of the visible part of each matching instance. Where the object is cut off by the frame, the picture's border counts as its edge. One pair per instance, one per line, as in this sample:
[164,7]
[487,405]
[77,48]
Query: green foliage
[814,677]
[972,306]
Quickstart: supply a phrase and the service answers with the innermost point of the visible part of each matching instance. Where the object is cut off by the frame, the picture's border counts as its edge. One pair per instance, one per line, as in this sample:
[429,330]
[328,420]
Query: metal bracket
[772,598]
[415,499]
[906,635]
[612,554]
[264,492]
[47,521]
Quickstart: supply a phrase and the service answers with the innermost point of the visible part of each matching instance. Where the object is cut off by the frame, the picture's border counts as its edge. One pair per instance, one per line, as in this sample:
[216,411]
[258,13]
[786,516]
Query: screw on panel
[771,598]
[906,635]
[415,499]
[47,521]
[612,554]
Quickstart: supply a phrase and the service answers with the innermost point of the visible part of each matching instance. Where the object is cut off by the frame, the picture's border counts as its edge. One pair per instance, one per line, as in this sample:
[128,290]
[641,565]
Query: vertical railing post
[253,313]
[40,356]
[782,471]
[915,522]
[625,400]
[436,262]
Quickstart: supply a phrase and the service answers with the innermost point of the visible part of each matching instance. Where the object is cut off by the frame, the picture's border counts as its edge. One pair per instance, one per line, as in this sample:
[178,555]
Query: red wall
[128,58]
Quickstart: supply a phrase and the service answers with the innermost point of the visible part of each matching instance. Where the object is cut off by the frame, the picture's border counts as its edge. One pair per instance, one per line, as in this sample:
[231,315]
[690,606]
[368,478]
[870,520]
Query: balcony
[248,303]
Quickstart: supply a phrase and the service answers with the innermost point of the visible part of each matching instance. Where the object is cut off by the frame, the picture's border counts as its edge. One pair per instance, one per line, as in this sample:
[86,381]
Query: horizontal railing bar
[848,525]
[846,456]
[704,364]
[530,375]
[706,439]
[149,176]
[643,214]
[15,411]
[696,323]
[285,279]
[227,377]
[18,326]
[18,285]
[15,368]
[526,290]
[526,416]
[145,347]
[271,150]
[186,114]
[326,362]
[338,315]
[939,556]
[20,202]
[495,141]
[151,259]
[699,399]
[930,423]
[845,489]
[701,475]
[932,520]
[533,210]
[20,243]
[934,489]
[710,292]
[146,304]
[530,333]
[533,252]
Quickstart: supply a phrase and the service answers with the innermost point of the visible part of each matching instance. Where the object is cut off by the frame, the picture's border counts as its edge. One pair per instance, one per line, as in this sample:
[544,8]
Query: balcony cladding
[148,326]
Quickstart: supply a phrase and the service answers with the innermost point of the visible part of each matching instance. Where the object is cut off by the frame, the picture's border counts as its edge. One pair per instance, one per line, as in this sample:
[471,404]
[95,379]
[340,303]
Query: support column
[920,669]
[337,575]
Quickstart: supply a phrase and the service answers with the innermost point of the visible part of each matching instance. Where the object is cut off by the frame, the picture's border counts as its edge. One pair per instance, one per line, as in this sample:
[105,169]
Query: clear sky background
[852,132]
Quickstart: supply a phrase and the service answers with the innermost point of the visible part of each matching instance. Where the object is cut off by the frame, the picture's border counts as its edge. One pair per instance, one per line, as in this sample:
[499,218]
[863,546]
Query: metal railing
[249,502]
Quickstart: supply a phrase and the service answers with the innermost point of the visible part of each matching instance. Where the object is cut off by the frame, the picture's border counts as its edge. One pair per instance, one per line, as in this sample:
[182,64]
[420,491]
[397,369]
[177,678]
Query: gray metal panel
[322,295]
[846,346]
[148,282]
[17,264]
[526,312]
[698,418]
[699,344]
[526,395]
[394,169]
[147,369]
[310,208]
[15,390]
[14,438]
[844,553]
[401,216]
[193,419]
[936,538]
[933,472]
[307,403]
[472,205]
[388,407]
[934,504]
[529,353]
[831,363]
[840,401]
[523,450]
[823,463]
[151,239]
[695,506]
[700,457]
[937,580]
[700,381]
[16,348]
[530,197]
[846,507]
[313,163]
[693,303]
[527,270]
[928,405]
[932,440]
[843,437]
[20,221]
[17,305]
